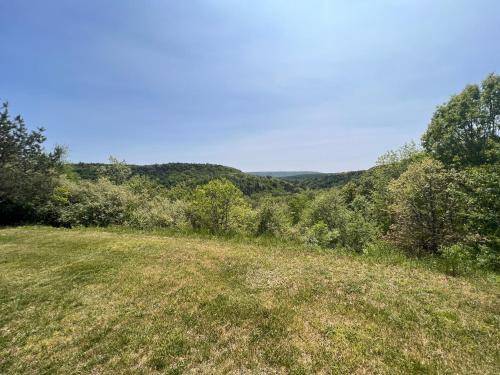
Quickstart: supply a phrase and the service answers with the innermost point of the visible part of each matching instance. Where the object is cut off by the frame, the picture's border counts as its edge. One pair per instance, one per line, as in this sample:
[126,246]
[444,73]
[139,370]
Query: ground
[100,302]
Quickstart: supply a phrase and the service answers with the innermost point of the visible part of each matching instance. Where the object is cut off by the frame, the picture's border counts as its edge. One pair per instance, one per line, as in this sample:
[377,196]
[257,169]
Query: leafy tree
[479,195]
[424,207]
[117,171]
[214,205]
[369,194]
[465,130]
[28,174]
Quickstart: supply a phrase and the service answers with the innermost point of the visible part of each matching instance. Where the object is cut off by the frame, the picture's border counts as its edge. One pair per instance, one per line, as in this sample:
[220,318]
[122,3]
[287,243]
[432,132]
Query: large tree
[465,130]
[28,173]
[424,207]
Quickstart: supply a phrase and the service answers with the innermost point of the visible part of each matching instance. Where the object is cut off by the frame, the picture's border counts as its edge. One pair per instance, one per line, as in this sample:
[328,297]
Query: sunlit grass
[95,301]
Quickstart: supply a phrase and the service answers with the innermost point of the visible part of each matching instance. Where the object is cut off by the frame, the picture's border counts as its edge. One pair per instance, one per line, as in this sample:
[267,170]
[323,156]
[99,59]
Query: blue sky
[258,85]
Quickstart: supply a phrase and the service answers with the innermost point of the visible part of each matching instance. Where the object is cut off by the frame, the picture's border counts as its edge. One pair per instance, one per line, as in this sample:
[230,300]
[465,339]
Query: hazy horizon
[316,85]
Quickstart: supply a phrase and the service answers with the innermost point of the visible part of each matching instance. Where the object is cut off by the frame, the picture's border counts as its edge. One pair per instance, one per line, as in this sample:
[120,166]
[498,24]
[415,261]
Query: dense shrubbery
[441,201]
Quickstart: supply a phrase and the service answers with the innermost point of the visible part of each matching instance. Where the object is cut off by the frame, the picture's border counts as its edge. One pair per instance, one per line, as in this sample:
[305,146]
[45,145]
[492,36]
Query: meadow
[102,301]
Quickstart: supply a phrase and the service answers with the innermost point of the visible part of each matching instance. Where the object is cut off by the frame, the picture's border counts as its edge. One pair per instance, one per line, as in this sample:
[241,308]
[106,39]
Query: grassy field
[91,301]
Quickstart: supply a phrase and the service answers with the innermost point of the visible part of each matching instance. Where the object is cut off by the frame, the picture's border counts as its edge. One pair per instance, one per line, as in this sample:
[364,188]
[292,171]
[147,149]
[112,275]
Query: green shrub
[357,232]
[457,259]
[219,207]
[158,212]
[319,234]
[273,218]
[87,203]
[351,229]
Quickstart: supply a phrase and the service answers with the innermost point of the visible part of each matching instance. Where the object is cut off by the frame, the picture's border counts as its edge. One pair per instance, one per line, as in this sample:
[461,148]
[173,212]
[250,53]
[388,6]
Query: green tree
[117,171]
[465,130]
[28,174]
[424,207]
[215,204]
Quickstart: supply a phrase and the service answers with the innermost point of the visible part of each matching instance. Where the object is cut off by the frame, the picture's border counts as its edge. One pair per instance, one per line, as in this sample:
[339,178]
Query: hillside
[94,301]
[191,175]
[282,173]
[323,180]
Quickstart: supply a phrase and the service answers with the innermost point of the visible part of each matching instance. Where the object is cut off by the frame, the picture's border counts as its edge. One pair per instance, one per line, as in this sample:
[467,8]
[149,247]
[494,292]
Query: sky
[257,85]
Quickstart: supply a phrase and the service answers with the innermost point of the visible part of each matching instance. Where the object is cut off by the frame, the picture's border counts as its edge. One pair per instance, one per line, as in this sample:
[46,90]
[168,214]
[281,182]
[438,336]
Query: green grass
[96,301]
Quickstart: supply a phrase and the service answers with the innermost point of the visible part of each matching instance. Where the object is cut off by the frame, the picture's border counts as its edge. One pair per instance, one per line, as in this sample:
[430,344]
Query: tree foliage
[424,207]
[465,130]
[116,171]
[28,174]
[216,205]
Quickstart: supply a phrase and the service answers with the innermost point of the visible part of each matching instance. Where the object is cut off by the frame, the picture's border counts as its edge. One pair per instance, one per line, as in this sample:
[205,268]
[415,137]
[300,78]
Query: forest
[438,199]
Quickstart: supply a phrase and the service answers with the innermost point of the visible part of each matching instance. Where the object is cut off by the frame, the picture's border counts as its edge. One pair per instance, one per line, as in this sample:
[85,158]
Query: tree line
[440,199]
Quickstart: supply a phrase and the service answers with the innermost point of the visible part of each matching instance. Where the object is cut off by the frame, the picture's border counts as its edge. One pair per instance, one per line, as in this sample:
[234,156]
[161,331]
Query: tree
[214,204]
[424,207]
[28,174]
[465,130]
[480,211]
[117,171]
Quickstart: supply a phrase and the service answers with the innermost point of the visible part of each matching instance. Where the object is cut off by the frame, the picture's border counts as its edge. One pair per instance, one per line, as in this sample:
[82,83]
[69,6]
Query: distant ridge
[194,174]
[283,173]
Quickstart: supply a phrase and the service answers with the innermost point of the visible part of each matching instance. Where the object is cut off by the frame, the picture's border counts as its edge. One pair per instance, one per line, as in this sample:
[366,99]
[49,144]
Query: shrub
[358,232]
[273,218]
[351,229]
[218,206]
[158,212]
[457,259]
[319,234]
[87,203]
[117,171]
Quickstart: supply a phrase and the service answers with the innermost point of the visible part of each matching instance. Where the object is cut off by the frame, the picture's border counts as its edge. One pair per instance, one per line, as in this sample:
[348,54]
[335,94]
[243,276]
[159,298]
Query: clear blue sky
[258,85]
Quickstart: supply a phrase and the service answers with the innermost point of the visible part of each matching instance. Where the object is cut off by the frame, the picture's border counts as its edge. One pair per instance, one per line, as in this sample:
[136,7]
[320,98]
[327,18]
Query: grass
[96,301]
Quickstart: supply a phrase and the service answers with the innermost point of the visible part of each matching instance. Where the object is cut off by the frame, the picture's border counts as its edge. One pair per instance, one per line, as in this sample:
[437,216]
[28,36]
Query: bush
[358,232]
[158,212]
[457,259]
[218,206]
[87,203]
[351,229]
[273,218]
[319,234]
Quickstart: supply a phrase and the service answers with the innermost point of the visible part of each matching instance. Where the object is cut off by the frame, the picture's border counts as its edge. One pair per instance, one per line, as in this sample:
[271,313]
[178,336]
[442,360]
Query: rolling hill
[283,173]
[191,175]
[323,180]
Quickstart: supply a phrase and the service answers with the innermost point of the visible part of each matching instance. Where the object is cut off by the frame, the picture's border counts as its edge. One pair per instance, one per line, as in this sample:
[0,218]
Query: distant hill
[191,175]
[323,180]
[282,173]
